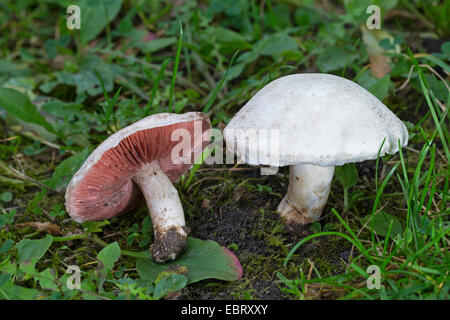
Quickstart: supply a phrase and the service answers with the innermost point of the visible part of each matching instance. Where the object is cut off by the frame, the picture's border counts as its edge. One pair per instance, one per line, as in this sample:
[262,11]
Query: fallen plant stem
[23,176]
[96,239]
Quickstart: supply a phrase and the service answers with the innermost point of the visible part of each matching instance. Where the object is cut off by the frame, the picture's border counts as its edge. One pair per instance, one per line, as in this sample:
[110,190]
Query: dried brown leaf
[379,65]
[48,227]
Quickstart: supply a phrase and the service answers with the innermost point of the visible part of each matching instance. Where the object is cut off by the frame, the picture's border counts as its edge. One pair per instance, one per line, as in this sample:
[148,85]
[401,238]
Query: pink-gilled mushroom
[141,160]
[320,121]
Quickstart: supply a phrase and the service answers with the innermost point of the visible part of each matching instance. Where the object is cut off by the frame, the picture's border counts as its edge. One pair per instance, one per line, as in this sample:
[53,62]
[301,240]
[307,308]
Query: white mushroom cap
[321,119]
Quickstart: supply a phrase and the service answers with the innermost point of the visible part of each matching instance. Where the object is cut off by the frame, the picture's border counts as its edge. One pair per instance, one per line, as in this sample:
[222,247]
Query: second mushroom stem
[307,195]
[166,212]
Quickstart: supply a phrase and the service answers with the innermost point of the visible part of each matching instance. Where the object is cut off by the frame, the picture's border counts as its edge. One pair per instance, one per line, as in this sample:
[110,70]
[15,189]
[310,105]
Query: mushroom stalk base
[307,195]
[166,212]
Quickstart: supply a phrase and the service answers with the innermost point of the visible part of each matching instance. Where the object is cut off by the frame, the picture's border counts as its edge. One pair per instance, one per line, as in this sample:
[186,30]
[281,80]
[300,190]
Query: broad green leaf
[386,5]
[357,8]
[109,255]
[332,59]
[137,38]
[380,224]
[7,245]
[378,87]
[9,291]
[438,87]
[202,259]
[230,37]
[275,44]
[85,78]
[62,109]
[247,57]
[4,278]
[6,196]
[18,104]
[347,174]
[90,287]
[156,44]
[306,17]
[67,168]
[28,267]
[33,249]
[172,283]
[8,267]
[7,217]
[73,120]
[9,69]
[279,18]
[47,279]
[235,71]
[95,15]
[445,48]
[31,130]
[316,227]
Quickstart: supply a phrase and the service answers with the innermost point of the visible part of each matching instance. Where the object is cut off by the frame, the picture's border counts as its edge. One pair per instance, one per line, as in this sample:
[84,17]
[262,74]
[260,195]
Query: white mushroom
[320,121]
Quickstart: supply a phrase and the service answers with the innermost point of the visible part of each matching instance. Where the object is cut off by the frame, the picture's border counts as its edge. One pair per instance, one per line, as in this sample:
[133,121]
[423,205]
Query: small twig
[412,149]
[439,103]
[9,139]
[398,13]
[23,176]
[236,164]
[311,263]
[201,180]
[20,164]
[227,169]
[96,239]
[47,227]
[45,212]
[35,137]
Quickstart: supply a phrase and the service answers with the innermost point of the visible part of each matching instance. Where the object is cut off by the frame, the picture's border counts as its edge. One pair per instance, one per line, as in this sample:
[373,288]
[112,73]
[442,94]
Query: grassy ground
[212,56]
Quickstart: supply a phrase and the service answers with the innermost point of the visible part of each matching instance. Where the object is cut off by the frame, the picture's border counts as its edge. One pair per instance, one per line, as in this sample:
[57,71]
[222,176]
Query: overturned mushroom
[320,121]
[141,160]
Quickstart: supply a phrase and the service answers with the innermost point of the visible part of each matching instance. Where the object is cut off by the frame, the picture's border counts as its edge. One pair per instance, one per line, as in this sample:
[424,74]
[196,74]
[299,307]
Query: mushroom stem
[166,212]
[307,195]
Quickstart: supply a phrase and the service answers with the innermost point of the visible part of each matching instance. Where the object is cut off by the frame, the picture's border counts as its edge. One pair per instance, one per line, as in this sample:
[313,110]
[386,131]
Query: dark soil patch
[251,223]
[238,225]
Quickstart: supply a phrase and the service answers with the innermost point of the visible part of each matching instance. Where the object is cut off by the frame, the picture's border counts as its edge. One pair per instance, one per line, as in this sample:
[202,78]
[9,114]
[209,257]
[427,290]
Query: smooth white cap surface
[320,119]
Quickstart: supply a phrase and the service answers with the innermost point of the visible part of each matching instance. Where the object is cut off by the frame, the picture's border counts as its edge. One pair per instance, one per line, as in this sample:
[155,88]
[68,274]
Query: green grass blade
[219,85]
[425,87]
[175,68]
[155,86]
